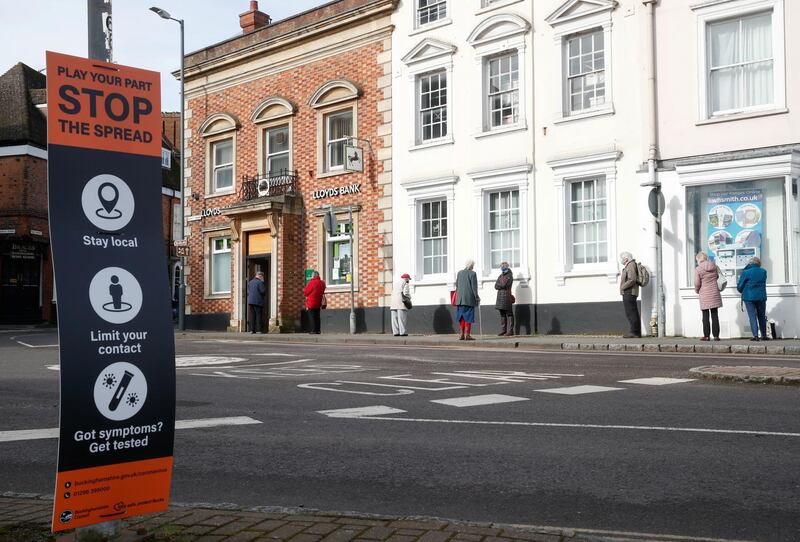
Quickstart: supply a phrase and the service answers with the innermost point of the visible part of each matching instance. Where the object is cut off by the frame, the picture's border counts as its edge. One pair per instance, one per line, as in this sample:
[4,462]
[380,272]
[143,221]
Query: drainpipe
[657,317]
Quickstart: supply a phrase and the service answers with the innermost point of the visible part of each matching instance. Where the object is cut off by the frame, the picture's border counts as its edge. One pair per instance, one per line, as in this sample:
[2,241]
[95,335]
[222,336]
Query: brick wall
[367,66]
[23,207]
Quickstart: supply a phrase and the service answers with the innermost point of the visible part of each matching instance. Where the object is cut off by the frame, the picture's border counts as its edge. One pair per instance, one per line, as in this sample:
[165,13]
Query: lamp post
[182,286]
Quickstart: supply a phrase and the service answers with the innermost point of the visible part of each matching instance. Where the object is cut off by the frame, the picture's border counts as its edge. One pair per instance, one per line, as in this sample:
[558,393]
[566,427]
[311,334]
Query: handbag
[722,280]
[407,301]
[453,297]
[323,302]
[513,299]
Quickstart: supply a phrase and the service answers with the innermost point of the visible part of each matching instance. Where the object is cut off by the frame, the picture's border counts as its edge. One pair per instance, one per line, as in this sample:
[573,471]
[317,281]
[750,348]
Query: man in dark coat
[467,299]
[256,291]
[505,300]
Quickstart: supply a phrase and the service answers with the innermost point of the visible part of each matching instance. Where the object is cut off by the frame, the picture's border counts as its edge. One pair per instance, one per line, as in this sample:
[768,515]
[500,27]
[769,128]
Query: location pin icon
[108,203]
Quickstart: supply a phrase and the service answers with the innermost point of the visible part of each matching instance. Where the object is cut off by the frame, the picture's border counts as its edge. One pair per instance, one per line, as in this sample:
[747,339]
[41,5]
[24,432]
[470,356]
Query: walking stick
[480,319]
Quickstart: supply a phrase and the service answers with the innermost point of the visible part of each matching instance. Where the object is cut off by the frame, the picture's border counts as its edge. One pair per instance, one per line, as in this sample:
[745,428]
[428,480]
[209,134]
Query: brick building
[26,273]
[269,114]
[26,276]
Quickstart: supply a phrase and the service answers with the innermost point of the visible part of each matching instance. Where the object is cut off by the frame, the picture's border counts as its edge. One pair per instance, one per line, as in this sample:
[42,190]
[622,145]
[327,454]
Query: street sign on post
[330,222]
[117,357]
[655,201]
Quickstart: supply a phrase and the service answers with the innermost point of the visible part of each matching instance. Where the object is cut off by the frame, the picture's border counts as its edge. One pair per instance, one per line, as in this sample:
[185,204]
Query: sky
[142,39]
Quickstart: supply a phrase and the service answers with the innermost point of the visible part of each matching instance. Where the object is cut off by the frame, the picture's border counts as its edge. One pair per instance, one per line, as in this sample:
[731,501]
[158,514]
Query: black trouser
[632,313]
[714,323]
[313,315]
[256,319]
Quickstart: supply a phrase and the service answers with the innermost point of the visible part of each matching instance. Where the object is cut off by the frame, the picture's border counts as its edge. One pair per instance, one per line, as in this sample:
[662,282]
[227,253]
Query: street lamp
[182,287]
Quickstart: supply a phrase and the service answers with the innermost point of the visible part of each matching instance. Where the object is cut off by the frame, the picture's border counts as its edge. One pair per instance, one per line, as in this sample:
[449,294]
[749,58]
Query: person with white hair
[466,299]
[629,289]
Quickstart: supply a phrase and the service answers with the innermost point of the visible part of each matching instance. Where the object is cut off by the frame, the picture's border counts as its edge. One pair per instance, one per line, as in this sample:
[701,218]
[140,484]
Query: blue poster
[735,219]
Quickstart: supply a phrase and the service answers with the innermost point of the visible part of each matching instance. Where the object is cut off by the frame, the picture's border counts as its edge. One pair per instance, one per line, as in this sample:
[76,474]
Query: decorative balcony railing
[276,183]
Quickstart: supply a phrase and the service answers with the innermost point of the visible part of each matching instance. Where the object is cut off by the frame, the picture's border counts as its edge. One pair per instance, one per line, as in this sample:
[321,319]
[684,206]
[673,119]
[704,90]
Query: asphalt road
[547,438]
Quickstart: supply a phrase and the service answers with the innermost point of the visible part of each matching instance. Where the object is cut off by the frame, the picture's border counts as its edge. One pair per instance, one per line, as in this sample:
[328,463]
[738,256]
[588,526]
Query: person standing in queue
[705,286]
[315,294]
[629,289]
[467,299]
[752,285]
[505,300]
[401,294]
[256,292]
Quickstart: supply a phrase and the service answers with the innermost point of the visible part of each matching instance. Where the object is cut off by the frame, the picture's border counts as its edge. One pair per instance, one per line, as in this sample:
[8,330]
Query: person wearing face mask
[505,300]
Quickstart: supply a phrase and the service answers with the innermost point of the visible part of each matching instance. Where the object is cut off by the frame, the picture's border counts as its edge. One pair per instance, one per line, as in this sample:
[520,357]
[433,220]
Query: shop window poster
[735,219]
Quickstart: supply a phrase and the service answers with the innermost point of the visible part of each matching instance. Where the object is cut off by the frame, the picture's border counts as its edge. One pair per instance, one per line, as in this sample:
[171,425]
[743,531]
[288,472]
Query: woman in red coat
[314,292]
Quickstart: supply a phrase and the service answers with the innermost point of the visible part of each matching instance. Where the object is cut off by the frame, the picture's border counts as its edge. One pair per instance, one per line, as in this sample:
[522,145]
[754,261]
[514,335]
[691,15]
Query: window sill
[608,110]
[773,290]
[219,194]
[336,173]
[435,280]
[431,26]
[520,277]
[500,131]
[217,296]
[611,273]
[431,144]
[496,5]
[742,116]
[339,288]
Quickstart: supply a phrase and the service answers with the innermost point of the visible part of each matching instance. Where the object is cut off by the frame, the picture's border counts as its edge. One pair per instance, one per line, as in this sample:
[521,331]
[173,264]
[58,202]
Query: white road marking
[251,365]
[579,390]
[479,400]
[506,376]
[215,422]
[410,378]
[656,381]
[591,426]
[54,367]
[199,361]
[37,434]
[323,386]
[36,345]
[278,354]
[360,412]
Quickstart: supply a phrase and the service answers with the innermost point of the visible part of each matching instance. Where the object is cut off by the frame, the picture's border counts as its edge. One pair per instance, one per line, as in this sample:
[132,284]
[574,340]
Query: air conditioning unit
[263,187]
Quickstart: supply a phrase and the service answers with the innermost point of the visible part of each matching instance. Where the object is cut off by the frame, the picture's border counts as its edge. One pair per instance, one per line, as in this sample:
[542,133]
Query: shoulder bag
[722,280]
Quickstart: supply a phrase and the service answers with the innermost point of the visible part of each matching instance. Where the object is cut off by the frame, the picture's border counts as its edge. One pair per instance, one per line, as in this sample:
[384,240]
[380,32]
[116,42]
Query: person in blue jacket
[256,292]
[753,287]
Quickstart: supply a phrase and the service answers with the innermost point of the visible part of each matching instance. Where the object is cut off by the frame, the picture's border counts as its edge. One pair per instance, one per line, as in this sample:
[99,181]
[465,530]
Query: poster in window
[735,219]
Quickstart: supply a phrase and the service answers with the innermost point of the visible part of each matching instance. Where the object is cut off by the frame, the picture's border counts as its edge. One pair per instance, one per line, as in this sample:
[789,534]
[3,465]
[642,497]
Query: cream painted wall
[678,98]
[467,153]
[621,131]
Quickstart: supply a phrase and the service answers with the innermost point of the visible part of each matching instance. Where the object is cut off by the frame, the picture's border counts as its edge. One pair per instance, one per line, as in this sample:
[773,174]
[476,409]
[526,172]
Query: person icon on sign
[115,290]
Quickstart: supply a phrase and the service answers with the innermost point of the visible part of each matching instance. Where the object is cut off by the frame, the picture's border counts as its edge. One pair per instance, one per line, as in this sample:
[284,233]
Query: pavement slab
[199,525]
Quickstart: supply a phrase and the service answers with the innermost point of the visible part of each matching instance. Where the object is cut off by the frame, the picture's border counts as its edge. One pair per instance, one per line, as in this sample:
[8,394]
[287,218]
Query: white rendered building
[729,110]
[462,149]
[524,131]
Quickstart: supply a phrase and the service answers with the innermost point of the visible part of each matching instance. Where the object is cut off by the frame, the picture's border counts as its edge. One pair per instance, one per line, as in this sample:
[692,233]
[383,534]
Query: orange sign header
[97,105]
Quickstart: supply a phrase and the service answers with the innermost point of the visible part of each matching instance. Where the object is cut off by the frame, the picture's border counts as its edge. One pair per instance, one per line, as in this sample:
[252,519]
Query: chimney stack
[253,19]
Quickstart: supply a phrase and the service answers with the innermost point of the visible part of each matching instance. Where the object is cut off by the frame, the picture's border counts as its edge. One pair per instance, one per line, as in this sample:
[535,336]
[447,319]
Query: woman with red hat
[401,302]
